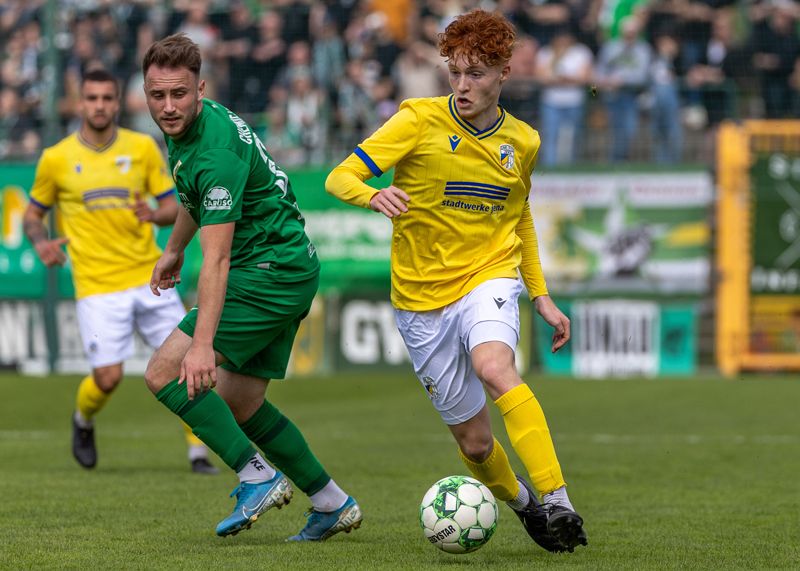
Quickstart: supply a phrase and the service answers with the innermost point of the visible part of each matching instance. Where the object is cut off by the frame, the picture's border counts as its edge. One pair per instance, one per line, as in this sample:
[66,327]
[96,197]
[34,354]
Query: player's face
[476,89]
[174,97]
[99,104]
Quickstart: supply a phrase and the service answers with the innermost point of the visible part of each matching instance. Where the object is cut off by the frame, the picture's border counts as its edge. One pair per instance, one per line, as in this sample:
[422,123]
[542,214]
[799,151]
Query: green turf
[699,474]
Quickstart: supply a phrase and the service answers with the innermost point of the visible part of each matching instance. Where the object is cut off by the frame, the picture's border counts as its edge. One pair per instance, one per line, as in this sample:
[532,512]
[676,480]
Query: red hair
[479,36]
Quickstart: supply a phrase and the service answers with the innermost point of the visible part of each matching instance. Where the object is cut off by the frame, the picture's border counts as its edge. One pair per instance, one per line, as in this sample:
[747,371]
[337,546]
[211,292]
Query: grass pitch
[681,474]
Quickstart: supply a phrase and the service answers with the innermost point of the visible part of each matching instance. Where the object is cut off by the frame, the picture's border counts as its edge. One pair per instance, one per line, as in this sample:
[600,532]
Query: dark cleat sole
[567,528]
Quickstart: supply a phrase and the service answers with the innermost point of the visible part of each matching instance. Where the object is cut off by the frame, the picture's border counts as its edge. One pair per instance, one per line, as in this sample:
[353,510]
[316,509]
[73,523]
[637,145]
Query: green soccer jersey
[223,173]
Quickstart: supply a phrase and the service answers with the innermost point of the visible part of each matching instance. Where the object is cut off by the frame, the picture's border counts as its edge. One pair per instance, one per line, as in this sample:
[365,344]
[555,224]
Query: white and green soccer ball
[458,514]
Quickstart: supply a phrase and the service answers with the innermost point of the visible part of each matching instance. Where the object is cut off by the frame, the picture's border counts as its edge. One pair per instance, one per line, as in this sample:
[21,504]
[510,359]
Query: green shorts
[259,322]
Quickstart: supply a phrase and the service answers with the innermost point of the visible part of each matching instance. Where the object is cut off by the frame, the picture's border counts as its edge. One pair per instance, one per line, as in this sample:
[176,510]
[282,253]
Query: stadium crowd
[601,79]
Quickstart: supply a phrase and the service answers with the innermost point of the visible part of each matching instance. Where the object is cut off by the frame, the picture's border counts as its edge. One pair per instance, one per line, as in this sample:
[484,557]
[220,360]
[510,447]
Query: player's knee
[477,448]
[492,371]
[153,377]
[107,379]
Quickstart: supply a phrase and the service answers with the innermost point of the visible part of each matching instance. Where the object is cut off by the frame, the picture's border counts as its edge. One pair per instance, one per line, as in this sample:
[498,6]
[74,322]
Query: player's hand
[167,272]
[554,317]
[198,369]
[50,252]
[141,209]
[390,201]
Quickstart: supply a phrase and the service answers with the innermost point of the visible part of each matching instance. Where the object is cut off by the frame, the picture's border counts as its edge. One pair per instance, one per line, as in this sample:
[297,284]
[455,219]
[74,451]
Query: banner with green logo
[604,233]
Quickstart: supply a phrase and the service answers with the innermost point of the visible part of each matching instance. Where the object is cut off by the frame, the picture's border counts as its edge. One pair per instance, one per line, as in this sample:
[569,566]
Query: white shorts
[440,341]
[107,322]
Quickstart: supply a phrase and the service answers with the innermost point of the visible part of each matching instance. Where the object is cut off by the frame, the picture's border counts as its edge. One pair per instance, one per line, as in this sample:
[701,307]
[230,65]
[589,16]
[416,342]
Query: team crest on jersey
[507,156]
[218,198]
[454,141]
[123,162]
[430,386]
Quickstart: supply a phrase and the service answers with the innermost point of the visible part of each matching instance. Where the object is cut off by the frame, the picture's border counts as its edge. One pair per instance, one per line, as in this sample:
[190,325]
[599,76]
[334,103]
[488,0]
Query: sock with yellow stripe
[284,445]
[212,421]
[530,437]
[90,399]
[495,472]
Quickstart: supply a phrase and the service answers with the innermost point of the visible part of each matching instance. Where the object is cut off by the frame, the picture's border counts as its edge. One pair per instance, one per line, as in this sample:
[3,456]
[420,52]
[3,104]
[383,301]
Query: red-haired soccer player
[462,230]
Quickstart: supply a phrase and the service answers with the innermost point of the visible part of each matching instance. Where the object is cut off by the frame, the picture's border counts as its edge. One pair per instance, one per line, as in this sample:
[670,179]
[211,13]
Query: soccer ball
[458,514]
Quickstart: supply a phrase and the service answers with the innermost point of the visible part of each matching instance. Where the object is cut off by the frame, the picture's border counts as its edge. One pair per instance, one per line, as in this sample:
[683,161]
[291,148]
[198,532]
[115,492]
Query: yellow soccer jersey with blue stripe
[109,248]
[468,191]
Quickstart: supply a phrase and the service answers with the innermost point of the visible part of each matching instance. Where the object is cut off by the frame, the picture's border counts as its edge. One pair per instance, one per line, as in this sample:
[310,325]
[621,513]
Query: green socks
[211,421]
[284,446]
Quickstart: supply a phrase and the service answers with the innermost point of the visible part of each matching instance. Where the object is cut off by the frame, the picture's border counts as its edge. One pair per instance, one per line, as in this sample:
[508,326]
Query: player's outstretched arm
[554,317]
[49,251]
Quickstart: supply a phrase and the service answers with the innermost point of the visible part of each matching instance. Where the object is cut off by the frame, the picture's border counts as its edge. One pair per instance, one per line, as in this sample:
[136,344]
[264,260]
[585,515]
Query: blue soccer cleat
[322,525]
[252,500]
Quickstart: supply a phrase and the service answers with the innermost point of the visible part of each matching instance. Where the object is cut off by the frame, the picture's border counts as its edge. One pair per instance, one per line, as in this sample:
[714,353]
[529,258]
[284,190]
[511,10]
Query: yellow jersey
[468,217]
[94,188]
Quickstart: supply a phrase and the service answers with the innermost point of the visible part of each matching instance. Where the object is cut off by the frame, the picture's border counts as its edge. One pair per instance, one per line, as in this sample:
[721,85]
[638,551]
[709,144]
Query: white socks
[256,470]
[558,497]
[521,501]
[82,422]
[328,499]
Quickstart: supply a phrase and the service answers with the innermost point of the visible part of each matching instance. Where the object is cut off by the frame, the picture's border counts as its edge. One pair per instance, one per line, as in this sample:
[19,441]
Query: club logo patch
[218,198]
[507,156]
[123,162]
[430,386]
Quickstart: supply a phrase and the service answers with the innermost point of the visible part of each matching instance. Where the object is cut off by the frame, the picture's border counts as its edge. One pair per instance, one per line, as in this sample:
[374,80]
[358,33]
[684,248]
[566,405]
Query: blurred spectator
[328,55]
[398,17]
[665,113]
[564,69]
[239,36]
[16,127]
[622,73]
[137,115]
[366,55]
[776,48]
[306,113]
[268,56]
[722,62]
[520,91]
[356,110]
[420,72]
[196,24]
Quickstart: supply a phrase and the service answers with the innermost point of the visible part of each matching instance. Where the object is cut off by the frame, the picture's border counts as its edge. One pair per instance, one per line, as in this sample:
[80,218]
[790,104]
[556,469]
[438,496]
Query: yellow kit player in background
[462,230]
[101,179]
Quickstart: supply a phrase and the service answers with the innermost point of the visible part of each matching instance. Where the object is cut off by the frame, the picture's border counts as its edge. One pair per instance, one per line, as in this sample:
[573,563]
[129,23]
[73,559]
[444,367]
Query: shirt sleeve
[530,268]
[220,183]
[380,152]
[44,191]
[159,183]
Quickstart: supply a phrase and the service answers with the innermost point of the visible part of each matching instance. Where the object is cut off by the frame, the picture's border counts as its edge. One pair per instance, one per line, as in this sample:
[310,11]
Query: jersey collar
[95,148]
[469,127]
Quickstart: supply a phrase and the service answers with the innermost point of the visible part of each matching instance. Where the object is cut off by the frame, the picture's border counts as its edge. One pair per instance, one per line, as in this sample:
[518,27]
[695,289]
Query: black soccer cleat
[534,519]
[83,448]
[566,526]
[203,466]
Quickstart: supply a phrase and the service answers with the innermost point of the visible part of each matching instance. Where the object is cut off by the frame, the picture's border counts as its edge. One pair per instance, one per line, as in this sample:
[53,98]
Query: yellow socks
[90,399]
[495,472]
[530,437]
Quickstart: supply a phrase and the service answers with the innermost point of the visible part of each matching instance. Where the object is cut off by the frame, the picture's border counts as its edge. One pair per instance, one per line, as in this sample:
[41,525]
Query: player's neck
[97,138]
[485,118]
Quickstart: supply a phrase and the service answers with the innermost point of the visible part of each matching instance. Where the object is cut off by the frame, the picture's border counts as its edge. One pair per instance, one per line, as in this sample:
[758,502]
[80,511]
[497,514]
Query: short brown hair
[100,75]
[480,36]
[174,51]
